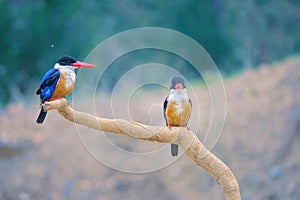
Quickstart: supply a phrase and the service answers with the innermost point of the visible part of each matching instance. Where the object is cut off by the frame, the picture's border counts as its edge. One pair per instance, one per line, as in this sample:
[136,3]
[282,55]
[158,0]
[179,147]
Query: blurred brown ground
[260,142]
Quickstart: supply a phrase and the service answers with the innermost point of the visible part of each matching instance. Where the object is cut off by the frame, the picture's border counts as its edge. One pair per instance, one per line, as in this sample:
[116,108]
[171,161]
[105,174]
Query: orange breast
[178,113]
[61,89]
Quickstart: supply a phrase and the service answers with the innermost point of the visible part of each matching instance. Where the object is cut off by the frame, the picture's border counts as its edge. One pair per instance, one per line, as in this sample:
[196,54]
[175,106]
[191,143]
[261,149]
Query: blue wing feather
[47,75]
[165,108]
[191,107]
[48,84]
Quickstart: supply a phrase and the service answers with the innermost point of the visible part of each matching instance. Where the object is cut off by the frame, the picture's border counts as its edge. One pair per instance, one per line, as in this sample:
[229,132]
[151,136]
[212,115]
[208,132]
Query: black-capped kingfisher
[59,81]
[177,107]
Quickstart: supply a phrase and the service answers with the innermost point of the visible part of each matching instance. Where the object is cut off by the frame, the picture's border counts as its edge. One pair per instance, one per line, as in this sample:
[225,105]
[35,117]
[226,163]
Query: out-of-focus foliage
[237,34]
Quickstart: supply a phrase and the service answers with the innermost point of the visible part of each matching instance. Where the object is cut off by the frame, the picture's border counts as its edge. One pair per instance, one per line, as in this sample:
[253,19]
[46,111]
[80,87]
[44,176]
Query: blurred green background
[237,34]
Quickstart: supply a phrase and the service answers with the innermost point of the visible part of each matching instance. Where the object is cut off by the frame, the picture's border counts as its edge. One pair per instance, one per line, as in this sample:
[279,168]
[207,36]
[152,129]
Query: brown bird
[177,108]
[59,81]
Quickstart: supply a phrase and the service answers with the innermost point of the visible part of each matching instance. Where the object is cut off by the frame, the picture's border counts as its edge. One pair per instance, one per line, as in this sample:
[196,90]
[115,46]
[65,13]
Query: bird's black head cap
[67,60]
[176,80]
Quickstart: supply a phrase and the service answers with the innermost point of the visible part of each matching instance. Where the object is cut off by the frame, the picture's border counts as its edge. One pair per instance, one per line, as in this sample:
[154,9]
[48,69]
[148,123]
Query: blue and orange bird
[177,107]
[59,81]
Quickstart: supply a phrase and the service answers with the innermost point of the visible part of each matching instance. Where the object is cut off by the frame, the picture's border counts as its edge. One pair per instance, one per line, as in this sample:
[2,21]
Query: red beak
[79,64]
[178,86]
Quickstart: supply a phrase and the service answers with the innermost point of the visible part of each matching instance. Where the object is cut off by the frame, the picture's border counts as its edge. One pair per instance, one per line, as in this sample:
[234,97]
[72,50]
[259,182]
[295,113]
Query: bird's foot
[55,98]
[187,128]
[169,126]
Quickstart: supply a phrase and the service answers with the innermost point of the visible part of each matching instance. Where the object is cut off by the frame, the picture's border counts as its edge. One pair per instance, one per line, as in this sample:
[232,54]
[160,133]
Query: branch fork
[177,135]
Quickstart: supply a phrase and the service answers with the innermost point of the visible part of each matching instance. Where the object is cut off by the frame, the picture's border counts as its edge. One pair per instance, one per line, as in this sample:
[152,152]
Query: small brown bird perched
[59,81]
[177,108]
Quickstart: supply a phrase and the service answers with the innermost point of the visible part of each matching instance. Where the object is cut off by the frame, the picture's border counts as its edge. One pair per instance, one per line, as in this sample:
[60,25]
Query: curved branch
[178,135]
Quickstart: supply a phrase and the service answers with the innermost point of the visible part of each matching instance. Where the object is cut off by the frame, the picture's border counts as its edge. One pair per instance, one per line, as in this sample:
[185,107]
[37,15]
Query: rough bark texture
[177,135]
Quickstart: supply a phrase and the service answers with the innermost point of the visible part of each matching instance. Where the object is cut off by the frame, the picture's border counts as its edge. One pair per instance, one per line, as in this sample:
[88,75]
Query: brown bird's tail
[174,149]
[41,116]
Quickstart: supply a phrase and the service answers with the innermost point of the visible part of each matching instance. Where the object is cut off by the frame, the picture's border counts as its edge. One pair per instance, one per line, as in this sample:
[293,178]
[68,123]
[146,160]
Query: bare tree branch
[178,135]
